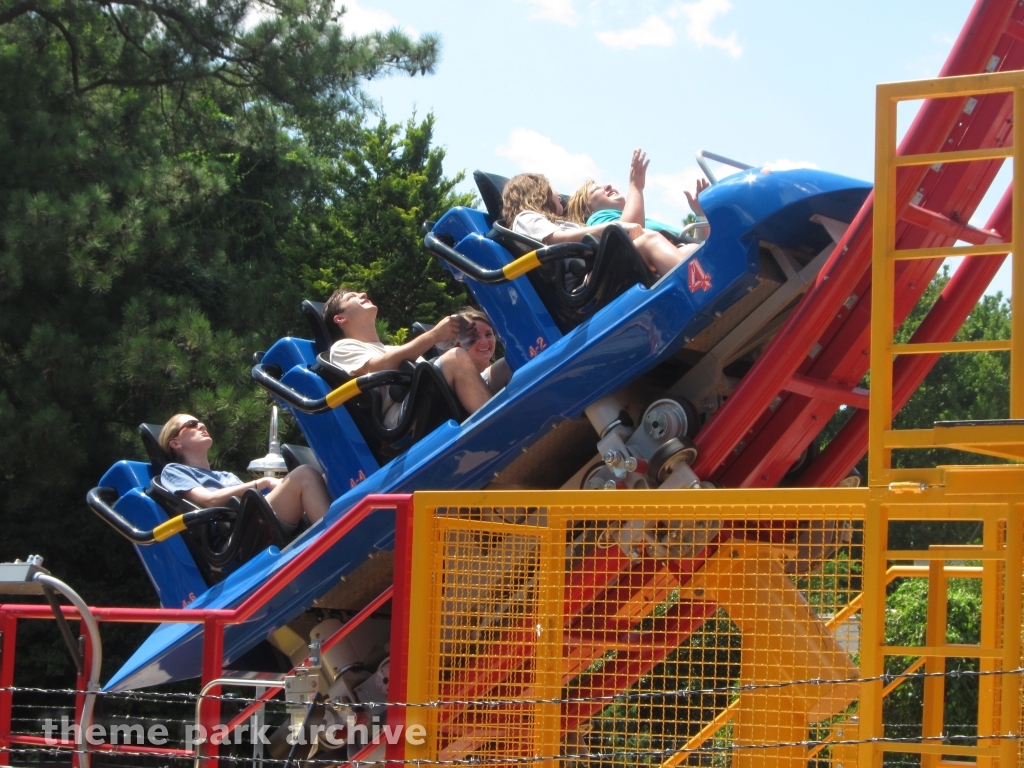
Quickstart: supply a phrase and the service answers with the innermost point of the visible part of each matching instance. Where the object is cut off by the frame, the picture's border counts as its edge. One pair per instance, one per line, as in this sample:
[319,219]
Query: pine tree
[166,169]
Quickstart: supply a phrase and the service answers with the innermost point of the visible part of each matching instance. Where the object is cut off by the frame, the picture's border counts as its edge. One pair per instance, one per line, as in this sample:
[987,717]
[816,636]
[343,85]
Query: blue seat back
[334,437]
[169,564]
[519,316]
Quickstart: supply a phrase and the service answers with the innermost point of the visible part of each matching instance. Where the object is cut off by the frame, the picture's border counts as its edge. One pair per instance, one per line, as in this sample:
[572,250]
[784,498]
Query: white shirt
[351,355]
[538,226]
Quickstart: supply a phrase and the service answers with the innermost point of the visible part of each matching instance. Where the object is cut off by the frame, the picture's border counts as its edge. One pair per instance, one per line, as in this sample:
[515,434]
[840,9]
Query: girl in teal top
[594,203]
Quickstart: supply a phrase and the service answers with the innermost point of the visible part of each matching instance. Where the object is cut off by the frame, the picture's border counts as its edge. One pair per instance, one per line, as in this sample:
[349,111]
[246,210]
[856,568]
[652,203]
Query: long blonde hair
[527,192]
[578,209]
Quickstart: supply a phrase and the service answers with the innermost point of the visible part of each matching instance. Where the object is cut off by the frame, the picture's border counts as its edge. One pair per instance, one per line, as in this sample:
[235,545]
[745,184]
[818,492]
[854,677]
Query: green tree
[168,170]
[959,386]
[907,617]
[394,182]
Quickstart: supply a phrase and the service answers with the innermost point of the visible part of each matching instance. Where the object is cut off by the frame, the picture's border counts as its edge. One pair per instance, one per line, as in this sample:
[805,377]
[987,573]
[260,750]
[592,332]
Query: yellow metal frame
[990,495]
[998,508]
[1005,441]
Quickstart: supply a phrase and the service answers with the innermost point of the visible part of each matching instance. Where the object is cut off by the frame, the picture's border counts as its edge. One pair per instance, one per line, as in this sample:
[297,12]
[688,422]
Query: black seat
[254,529]
[359,408]
[324,334]
[574,272]
[515,243]
[490,186]
[173,505]
[297,455]
[427,400]
[574,289]
[150,434]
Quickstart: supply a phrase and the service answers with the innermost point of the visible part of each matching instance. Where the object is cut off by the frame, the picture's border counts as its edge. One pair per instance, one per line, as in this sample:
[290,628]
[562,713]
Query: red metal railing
[214,622]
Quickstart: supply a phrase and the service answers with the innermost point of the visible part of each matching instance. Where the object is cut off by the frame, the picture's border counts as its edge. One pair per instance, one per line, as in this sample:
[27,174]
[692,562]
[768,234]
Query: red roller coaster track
[791,392]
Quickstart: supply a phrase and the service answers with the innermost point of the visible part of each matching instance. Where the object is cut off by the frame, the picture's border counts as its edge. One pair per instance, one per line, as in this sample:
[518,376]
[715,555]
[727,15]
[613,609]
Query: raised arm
[633,210]
[695,206]
[446,330]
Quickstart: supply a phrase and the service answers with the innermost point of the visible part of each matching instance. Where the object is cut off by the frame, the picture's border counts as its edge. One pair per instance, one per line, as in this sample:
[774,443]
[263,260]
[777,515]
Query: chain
[109,718]
[617,698]
[613,755]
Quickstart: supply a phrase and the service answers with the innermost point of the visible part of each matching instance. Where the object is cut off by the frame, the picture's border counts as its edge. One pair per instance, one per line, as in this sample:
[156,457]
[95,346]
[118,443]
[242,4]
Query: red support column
[9,628]
[963,291]
[213,667]
[938,121]
[400,629]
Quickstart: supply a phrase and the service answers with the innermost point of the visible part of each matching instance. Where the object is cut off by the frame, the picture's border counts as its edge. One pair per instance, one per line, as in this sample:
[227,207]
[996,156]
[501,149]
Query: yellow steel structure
[711,625]
[1003,439]
[739,627]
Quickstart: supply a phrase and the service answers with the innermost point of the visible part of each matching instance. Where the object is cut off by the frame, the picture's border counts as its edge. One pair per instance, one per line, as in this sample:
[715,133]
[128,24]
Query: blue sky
[569,87]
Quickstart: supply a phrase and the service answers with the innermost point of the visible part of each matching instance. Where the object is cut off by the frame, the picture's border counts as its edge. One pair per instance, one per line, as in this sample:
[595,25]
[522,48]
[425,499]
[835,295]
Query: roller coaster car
[585,338]
[771,232]
[213,541]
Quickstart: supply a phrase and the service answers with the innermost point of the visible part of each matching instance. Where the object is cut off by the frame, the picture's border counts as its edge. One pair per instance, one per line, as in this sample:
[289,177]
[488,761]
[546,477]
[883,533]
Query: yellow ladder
[996,438]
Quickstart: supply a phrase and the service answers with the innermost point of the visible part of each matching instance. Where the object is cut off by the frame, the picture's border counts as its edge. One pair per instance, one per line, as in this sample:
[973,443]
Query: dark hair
[474,315]
[332,307]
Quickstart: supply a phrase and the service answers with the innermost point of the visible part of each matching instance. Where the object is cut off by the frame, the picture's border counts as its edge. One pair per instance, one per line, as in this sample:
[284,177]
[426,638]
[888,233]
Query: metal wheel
[671,417]
[804,460]
[597,477]
[670,455]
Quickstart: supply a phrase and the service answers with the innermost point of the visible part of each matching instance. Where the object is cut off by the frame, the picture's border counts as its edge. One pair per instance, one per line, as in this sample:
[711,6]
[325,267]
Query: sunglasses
[190,424]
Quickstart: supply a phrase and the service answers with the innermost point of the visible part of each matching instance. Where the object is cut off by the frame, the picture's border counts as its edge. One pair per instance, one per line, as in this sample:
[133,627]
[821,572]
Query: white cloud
[536,153]
[700,15]
[357,20]
[785,164]
[552,10]
[364,21]
[655,31]
[668,201]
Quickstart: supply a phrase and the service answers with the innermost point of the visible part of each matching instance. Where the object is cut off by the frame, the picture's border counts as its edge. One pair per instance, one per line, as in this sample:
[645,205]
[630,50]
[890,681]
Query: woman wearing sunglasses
[186,440]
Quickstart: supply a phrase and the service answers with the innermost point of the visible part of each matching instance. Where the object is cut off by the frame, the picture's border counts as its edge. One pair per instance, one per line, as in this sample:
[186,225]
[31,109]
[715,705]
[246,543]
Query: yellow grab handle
[521,266]
[346,391]
[168,529]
